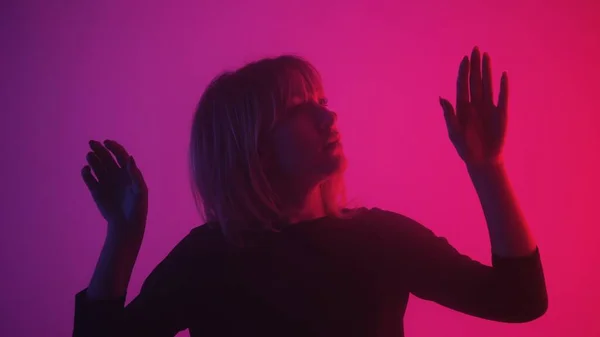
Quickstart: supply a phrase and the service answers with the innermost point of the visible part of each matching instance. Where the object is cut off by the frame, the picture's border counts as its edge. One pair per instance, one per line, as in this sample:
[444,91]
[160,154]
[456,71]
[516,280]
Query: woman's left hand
[478,128]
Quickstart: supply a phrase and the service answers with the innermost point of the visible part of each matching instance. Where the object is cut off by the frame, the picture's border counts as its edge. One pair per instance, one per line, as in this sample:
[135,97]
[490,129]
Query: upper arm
[154,312]
[163,307]
[512,290]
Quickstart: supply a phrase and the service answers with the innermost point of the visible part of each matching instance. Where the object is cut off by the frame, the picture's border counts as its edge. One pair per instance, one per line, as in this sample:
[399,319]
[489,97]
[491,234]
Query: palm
[478,128]
[116,199]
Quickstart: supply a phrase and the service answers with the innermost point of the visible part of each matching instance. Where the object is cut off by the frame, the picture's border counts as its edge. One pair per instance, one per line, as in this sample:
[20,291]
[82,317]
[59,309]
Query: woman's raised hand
[118,189]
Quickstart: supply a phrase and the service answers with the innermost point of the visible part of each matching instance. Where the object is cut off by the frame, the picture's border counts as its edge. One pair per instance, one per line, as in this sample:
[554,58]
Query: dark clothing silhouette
[323,277]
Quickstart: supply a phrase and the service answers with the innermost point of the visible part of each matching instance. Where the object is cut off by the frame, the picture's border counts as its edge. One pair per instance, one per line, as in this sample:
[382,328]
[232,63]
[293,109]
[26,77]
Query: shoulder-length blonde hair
[236,112]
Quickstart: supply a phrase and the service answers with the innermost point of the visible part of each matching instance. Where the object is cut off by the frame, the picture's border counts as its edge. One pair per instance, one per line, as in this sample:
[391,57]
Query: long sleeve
[161,309]
[511,290]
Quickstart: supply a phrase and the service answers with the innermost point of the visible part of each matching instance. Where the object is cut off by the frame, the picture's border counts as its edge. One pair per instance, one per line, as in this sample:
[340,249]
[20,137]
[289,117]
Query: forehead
[301,85]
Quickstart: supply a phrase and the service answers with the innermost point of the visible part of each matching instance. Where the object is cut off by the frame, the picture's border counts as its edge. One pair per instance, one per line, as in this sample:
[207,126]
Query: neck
[310,208]
[302,202]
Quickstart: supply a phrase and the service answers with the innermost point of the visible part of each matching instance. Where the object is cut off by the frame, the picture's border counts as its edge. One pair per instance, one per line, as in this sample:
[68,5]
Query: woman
[280,254]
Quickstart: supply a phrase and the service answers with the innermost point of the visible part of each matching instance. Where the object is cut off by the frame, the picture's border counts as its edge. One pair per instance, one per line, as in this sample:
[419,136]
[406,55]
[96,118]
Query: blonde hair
[236,112]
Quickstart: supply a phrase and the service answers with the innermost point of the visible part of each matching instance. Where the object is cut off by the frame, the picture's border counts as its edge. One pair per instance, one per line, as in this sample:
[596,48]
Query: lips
[332,143]
[334,138]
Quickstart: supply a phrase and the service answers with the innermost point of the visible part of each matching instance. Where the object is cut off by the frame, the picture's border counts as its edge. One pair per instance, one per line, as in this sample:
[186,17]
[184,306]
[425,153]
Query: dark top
[323,277]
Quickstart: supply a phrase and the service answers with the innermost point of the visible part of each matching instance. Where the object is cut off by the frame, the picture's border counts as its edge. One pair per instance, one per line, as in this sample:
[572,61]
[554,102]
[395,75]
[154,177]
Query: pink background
[134,70]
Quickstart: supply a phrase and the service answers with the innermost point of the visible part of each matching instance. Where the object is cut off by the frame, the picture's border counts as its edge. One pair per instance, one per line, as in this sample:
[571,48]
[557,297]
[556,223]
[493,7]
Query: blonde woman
[280,252]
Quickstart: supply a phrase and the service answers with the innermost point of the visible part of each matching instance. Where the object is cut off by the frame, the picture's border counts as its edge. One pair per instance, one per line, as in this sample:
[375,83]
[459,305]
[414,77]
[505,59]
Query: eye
[323,101]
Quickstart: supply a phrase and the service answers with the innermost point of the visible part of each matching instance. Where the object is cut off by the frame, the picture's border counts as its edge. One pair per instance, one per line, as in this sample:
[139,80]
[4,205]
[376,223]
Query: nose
[327,119]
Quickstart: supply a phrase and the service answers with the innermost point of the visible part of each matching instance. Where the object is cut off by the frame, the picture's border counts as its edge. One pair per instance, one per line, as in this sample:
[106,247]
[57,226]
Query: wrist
[486,168]
[489,179]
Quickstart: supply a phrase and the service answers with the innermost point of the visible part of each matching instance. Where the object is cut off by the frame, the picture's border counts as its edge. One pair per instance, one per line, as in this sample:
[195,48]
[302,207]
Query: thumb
[451,120]
[135,175]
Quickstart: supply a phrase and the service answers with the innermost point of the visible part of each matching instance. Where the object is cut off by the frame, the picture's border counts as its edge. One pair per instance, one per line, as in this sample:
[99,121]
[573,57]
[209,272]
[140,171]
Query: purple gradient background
[133,71]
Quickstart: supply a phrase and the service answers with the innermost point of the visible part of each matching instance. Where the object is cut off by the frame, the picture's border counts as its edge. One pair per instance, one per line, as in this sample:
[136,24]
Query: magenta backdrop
[133,71]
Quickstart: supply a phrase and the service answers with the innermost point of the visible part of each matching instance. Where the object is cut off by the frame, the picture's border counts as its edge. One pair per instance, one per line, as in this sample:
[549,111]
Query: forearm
[113,270]
[510,235]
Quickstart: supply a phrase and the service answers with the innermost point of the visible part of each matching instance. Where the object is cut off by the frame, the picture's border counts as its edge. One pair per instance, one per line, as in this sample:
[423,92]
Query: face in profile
[306,143]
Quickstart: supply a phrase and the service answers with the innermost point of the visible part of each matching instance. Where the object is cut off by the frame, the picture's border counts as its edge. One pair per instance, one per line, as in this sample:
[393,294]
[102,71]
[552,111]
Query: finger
[475,78]
[119,151]
[452,124]
[105,157]
[136,176]
[89,179]
[488,90]
[503,96]
[96,165]
[462,83]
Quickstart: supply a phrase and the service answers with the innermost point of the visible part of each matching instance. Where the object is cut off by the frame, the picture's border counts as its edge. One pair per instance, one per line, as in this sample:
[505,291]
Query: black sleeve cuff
[96,315]
[532,260]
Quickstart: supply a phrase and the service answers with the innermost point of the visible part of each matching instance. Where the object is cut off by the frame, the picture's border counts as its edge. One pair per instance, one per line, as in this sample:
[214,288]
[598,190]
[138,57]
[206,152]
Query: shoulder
[206,231]
[199,249]
[202,240]
[393,226]
[376,217]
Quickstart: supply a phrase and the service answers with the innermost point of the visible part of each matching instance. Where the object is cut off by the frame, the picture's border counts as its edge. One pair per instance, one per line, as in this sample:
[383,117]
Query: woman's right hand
[118,189]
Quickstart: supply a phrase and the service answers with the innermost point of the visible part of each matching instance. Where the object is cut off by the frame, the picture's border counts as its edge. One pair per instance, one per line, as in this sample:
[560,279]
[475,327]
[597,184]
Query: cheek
[298,150]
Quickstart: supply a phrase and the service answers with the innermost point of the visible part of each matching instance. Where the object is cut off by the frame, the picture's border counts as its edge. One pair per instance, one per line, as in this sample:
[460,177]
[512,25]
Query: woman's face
[306,144]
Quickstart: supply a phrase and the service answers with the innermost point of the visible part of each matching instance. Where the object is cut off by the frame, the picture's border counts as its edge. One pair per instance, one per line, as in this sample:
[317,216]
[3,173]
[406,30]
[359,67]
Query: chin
[343,163]
[336,163]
